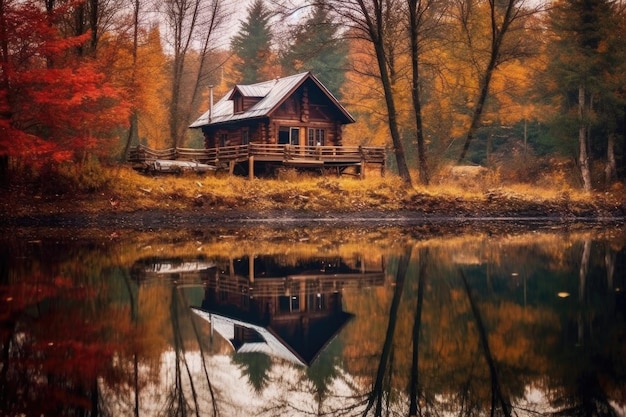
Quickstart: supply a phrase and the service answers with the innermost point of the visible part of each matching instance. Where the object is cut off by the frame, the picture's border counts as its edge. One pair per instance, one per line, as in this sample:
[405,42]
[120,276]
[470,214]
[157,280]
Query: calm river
[316,320]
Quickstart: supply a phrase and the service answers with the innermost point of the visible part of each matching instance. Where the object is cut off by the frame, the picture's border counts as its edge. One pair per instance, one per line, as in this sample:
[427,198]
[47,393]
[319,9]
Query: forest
[534,91]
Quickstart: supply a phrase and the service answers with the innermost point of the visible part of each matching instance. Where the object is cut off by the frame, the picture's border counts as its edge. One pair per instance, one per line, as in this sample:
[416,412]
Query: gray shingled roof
[273,93]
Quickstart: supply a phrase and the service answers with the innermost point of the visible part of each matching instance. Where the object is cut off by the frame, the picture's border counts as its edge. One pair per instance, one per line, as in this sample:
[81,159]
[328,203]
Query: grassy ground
[120,190]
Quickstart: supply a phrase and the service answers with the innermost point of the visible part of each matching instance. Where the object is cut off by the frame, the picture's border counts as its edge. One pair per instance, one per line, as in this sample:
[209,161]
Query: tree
[140,64]
[133,119]
[315,46]
[252,44]
[376,22]
[153,87]
[189,21]
[504,19]
[55,103]
[419,25]
[585,55]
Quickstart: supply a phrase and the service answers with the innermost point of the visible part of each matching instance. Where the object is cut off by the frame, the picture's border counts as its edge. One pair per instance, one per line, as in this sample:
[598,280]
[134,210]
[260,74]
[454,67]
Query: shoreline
[156,219]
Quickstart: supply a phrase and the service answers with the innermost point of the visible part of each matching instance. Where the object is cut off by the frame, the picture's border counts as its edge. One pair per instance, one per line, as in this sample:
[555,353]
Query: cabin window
[223,139]
[288,135]
[316,302]
[316,137]
[238,102]
[245,136]
[288,303]
[295,303]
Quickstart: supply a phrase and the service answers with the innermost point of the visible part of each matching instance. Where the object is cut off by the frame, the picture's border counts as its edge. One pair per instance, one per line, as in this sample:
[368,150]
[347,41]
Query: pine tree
[584,58]
[252,44]
[316,47]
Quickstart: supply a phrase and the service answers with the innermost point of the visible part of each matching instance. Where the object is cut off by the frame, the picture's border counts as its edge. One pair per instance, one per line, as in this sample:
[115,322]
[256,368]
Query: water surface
[313,321]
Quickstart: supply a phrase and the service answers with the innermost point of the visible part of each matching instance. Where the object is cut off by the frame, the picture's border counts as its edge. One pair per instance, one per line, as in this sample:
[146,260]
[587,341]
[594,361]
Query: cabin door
[294,136]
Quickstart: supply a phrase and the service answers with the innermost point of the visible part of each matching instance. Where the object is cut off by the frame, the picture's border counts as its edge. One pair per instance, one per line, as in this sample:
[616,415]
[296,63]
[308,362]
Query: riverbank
[128,199]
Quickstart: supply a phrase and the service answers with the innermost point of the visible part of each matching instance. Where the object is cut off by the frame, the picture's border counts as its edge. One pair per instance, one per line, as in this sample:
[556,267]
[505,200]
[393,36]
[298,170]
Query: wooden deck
[325,158]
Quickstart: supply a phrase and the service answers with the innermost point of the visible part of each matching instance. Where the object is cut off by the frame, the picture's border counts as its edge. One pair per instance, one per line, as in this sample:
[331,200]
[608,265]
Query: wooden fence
[338,157]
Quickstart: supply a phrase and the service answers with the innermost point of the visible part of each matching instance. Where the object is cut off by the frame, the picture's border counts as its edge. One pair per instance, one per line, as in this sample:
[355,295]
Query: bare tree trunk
[610,170]
[415,17]
[583,157]
[134,117]
[186,20]
[392,117]
[216,18]
[498,32]
[182,17]
[370,18]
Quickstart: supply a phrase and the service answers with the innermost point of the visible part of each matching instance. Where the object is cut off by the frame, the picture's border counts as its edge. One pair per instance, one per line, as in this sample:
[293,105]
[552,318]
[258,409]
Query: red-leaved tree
[55,104]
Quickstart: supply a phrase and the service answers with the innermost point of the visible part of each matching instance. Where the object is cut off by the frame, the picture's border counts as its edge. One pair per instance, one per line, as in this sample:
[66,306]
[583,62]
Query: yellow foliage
[153,92]
[363,97]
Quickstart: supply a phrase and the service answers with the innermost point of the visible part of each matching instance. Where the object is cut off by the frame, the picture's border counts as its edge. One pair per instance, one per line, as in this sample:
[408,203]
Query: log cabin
[293,122]
[297,110]
[285,308]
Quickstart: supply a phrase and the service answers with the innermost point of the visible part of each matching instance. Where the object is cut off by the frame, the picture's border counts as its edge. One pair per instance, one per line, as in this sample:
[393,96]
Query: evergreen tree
[252,44]
[316,47]
[586,61]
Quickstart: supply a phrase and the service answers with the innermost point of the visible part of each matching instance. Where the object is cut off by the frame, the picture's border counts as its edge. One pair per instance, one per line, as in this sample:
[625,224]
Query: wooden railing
[267,152]
[355,154]
[276,286]
[143,153]
[287,154]
[236,152]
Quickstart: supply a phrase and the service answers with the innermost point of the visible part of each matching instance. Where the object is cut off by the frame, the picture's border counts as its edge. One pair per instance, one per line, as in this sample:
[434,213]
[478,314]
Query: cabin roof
[277,340]
[271,344]
[272,93]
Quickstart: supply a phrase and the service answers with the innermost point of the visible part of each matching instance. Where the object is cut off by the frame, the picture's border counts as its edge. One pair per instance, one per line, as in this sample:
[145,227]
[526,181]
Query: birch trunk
[583,157]
[610,170]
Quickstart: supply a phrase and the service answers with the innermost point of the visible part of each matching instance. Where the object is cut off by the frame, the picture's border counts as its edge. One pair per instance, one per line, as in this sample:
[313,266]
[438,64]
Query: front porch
[335,159]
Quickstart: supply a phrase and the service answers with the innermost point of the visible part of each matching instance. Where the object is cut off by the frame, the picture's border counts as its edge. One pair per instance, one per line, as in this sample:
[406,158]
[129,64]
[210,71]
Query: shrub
[68,177]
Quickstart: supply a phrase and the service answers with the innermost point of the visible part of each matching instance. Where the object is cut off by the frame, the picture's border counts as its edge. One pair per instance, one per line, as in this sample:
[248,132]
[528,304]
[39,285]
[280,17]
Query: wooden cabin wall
[263,132]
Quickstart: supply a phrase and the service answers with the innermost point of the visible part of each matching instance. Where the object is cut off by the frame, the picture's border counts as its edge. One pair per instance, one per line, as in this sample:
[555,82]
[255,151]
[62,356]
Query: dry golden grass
[322,193]
[123,189]
[305,192]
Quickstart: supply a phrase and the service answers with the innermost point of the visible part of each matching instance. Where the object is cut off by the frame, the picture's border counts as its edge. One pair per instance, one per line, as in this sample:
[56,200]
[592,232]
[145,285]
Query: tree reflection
[465,326]
[585,388]
[414,385]
[57,341]
[255,366]
[496,390]
[385,364]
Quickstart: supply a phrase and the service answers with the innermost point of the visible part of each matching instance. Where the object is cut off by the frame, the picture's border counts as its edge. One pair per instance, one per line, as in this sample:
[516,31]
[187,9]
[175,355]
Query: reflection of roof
[174,268]
[272,94]
[280,340]
[269,343]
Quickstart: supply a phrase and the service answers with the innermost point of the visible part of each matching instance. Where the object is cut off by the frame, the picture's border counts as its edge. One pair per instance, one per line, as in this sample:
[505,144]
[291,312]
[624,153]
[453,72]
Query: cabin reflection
[284,306]
[268,304]
[147,270]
